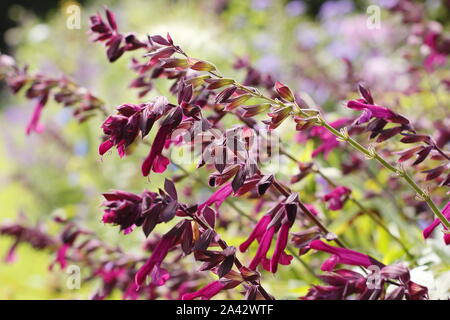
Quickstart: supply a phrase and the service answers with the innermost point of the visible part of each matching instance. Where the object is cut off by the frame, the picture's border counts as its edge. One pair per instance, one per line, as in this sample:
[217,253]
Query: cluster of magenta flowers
[343,283]
[203,98]
[40,87]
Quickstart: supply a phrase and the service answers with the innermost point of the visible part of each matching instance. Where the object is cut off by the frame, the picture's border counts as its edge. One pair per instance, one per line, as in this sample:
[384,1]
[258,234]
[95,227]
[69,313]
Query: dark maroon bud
[160,40]
[132,43]
[169,187]
[303,238]
[204,241]
[284,92]
[169,211]
[98,26]
[225,94]
[192,209]
[115,50]
[160,54]
[218,83]
[187,239]
[157,72]
[422,155]
[239,179]
[413,138]
[236,102]
[249,275]
[376,125]
[277,116]
[277,217]
[397,118]
[225,266]
[265,183]
[178,230]
[128,110]
[69,234]
[250,111]
[185,93]
[435,172]
[408,153]
[303,124]
[298,177]
[210,216]
[388,133]
[210,261]
[122,208]
[203,66]
[365,94]
[151,220]
[169,63]
[111,19]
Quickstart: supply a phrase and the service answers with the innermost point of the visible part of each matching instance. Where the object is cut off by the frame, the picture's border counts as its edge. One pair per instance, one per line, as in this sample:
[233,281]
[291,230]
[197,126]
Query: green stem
[372,154]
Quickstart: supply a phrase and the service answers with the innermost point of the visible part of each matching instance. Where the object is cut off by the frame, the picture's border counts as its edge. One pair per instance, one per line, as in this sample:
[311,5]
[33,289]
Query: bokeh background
[307,44]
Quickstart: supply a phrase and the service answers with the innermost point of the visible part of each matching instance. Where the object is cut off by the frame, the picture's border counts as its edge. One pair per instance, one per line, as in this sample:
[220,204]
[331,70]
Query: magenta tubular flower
[344,256]
[159,254]
[11,255]
[337,197]
[207,292]
[284,259]
[371,110]
[61,257]
[279,247]
[263,232]
[256,233]
[159,276]
[218,197]
[33,125]
[122,208]
[428,230]
[210,290]
[263,248]
[155,160]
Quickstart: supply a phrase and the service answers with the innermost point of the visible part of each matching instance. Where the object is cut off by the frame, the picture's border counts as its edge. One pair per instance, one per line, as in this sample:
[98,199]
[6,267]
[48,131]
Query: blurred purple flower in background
[307,36]
[333,9]
[261,5]
[269,64]
[295,8]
